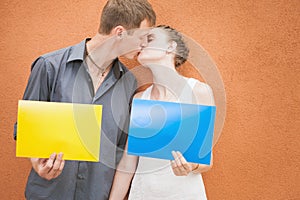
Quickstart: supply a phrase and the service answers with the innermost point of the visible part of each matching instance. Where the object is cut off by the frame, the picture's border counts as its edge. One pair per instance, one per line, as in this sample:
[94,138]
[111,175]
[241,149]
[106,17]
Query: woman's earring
[169,50]
[120,35]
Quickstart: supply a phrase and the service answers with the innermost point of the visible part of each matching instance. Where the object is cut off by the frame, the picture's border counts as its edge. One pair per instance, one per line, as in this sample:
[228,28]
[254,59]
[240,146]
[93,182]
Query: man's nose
[144,42]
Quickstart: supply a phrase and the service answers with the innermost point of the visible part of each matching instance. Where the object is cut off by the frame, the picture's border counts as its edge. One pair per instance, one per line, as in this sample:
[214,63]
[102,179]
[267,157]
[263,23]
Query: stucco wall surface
[255,45]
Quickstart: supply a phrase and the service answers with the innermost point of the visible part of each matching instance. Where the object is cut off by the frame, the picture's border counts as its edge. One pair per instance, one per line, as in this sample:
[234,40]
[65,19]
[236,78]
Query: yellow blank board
[48,127]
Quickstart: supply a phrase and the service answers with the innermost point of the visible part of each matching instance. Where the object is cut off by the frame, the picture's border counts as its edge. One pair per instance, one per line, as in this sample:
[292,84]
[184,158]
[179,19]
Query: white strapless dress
[154,178]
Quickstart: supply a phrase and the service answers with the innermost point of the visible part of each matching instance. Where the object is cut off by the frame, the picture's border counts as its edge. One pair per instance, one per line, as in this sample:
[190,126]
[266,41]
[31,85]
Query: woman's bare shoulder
[203,93]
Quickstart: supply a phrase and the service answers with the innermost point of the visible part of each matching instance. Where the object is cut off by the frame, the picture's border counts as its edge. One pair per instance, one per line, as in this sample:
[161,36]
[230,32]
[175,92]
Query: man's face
[134,39]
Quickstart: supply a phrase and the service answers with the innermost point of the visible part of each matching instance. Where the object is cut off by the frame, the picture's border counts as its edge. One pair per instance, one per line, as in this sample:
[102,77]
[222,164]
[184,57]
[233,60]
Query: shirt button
[80,176]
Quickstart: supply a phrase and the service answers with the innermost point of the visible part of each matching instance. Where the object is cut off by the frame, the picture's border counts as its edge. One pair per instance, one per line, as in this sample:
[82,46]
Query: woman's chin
[141,59]
[145,60]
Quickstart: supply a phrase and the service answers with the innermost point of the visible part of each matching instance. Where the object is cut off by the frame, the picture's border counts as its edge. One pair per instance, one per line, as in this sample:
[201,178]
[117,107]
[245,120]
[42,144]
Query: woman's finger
[182,170]
[175,168]
[184,163]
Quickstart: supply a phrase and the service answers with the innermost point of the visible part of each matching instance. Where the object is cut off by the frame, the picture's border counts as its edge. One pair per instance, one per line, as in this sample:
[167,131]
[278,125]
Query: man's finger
[56,165]
[44,168]
[50,162]
[57,162]
[61,167]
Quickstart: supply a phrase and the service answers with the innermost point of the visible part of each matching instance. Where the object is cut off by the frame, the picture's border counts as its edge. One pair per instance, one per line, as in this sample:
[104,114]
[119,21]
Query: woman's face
[158,43]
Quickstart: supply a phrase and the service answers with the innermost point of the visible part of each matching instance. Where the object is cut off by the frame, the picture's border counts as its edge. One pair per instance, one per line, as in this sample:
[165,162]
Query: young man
[90,73]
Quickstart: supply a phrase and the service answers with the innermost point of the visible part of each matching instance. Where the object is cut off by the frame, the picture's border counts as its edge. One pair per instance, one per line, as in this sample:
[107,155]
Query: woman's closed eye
[150,38]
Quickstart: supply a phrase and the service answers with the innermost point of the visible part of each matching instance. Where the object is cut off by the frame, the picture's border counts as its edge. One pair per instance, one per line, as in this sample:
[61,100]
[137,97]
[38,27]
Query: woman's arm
[123,176]
[203,95]
[203,168]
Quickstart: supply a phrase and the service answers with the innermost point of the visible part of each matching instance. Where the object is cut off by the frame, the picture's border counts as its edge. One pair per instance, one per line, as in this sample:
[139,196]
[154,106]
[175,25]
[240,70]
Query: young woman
[157,178]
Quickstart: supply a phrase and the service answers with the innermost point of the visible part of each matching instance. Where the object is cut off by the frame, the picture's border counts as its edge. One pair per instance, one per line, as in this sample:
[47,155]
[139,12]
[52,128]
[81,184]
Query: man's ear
[172,47]
[118,31]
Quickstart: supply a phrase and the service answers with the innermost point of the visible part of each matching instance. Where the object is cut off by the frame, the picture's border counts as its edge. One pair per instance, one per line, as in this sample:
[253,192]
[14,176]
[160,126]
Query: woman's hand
[180,166]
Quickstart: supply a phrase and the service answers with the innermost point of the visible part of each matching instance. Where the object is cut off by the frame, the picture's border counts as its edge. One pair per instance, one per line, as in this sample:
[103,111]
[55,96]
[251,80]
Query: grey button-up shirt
[62,76]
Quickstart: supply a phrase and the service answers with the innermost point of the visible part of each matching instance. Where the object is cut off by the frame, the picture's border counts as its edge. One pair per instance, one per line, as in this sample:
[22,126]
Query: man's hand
[180,166]
[48,168]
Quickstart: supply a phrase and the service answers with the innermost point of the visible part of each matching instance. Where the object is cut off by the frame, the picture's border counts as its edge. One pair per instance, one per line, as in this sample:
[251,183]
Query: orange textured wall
[255,45]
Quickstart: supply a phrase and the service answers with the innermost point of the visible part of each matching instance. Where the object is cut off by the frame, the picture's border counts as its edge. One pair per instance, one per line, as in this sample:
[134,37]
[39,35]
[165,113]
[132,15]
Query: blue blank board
[157,128]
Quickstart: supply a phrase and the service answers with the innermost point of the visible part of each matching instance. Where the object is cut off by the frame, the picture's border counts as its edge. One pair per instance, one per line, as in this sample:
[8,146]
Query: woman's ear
[172,47]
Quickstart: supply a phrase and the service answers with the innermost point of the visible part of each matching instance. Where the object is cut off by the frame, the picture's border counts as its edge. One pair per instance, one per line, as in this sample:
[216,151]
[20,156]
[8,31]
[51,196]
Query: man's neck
[101,49]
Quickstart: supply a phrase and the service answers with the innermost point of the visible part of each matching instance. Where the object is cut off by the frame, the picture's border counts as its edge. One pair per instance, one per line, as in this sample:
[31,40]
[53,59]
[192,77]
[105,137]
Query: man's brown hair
[127,13]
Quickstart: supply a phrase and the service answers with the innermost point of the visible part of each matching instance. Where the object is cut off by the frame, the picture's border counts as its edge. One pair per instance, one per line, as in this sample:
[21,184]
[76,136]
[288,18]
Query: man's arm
[39,88]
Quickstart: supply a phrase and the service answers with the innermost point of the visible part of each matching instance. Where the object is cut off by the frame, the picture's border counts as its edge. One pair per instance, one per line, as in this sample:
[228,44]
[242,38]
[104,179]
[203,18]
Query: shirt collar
[117,68]
[78,51]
